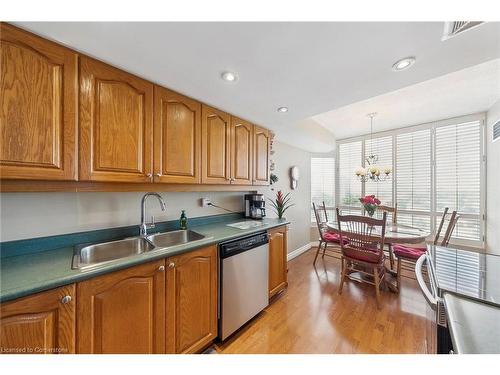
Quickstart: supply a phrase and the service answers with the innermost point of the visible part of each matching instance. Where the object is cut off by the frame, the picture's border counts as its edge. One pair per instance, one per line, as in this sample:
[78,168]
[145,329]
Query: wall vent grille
[454,28]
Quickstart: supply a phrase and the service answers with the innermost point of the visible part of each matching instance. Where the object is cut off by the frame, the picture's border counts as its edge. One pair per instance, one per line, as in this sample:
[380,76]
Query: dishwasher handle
[429,297]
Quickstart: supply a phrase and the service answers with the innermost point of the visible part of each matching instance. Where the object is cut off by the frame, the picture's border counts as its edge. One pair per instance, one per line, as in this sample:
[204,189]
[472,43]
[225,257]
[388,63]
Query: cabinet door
[261,143]
[177,138]
[216,132]
[38,96]
[116,124]
[191,300]
[123,312]
[43,323]
[241,151]
[278,246]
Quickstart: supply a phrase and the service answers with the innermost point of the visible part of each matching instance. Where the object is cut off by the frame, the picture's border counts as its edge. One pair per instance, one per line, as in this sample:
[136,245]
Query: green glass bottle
[183,221]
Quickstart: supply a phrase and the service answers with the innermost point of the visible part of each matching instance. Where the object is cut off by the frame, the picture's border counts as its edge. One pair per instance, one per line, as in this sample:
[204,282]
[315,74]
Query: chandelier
[372,172]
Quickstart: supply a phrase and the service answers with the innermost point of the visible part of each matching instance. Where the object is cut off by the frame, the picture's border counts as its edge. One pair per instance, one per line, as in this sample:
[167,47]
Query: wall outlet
[205,202]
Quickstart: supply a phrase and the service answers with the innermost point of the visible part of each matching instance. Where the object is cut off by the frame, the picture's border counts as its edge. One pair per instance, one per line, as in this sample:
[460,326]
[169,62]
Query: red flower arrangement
[370,203]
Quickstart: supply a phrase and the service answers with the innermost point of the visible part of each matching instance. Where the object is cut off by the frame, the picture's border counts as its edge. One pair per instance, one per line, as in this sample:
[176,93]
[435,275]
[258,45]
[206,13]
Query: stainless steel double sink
[95,255]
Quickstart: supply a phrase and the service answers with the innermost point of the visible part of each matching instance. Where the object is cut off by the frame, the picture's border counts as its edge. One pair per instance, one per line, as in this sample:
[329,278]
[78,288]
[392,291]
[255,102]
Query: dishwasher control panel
[240,245]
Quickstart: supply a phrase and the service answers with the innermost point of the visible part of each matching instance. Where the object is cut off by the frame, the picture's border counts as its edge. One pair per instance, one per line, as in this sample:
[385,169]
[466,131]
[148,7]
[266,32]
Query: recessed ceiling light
[282,109]
[403,64]
[229,76]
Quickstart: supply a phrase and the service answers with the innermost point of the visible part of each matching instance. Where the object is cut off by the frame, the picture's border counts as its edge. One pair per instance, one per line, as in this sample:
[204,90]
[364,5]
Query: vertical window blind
[350,188]
[413,178]
[382,147]
[435,166]
[458,175]
[323,184]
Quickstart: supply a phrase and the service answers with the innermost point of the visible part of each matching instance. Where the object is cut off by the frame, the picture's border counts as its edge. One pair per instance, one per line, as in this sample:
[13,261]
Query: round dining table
[394,233]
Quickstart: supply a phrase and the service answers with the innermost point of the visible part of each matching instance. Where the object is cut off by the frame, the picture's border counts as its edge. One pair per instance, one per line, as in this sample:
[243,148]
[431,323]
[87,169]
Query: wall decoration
[294,176]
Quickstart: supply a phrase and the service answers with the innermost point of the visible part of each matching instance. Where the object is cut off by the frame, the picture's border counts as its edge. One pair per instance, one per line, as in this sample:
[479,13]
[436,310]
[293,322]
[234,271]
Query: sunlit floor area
[311,317]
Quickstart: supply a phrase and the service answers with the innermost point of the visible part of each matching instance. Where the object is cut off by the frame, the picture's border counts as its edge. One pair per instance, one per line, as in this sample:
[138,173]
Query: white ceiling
[309,67]
[467,91]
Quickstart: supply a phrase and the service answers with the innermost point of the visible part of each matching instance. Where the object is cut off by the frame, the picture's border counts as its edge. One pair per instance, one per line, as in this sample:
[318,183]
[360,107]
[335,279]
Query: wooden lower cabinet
[123,312]
[40,323]
[278,249]
[162,306]
[191,300]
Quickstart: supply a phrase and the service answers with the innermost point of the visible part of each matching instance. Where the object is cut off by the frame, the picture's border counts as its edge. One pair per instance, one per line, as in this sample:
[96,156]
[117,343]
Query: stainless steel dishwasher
[244,275]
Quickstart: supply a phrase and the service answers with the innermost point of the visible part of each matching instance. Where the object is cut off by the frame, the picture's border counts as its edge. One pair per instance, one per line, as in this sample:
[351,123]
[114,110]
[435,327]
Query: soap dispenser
[183,221]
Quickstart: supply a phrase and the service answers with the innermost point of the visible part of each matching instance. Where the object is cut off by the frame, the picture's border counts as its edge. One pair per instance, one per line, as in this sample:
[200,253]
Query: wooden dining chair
[411,254]
[394,214]
[362,244]
[325,237]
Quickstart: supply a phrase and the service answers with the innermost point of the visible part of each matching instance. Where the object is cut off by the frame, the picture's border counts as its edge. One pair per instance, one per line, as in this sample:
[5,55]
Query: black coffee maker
[255,206]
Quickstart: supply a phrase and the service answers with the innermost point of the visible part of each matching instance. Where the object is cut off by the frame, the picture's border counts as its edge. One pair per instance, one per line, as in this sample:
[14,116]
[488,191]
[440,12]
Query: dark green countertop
[30,273]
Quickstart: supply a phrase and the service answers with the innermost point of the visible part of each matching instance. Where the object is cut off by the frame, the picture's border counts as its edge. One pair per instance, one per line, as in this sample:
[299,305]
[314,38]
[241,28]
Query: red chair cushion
[408,252]
[331,237]
[366,255]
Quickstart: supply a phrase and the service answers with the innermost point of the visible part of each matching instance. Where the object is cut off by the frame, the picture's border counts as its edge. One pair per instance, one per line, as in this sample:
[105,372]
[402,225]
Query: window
[349,155]
[413,178]
[382,147]
[458,175]
[323,184]
[435,165]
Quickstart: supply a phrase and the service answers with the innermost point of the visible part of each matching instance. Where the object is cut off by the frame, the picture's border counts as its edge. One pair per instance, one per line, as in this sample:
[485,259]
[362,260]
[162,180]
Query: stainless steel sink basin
[176,237]
[95,255]
[90,256]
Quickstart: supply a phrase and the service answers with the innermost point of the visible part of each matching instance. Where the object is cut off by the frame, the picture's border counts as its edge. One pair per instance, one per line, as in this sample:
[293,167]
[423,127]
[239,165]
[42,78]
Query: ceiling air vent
[454,28]
[496,131]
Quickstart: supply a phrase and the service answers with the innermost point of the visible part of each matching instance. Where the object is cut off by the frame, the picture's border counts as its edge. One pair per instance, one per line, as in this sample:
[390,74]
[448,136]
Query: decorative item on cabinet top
[133,135]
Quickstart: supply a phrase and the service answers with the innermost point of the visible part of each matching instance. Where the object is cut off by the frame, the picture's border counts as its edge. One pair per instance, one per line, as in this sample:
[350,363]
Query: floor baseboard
[298,251]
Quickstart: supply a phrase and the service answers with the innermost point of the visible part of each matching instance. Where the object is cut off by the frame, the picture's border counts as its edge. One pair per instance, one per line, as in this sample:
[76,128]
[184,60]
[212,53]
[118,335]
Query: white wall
[285,157]
[492,183]
[27,215]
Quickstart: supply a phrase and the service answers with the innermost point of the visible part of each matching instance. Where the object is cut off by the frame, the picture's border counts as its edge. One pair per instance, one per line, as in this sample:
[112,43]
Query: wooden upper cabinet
[38,97]
[191,300]
[215,146]
[261,141]
[116,124]
[42,323]
[278,251]
[123,312]
[177,138]
[241,151]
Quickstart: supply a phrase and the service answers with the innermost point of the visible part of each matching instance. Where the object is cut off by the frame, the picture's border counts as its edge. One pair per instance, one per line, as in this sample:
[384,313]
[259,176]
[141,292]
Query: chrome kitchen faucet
[145,226]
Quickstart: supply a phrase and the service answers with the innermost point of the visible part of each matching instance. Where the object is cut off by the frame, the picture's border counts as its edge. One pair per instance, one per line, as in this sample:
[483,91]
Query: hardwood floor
[310,316]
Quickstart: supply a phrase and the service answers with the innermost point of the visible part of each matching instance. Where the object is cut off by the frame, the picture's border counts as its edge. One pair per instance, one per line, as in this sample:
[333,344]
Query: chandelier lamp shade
[371,171]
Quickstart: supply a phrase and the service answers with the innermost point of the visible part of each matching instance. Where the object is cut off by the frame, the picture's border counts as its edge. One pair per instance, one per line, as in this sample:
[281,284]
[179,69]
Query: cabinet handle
[171,265]
[66,299]
[158,175]
[149,175]
[161,268]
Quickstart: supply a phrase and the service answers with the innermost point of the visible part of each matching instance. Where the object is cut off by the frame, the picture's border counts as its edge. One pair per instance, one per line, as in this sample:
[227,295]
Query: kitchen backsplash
[28,215]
